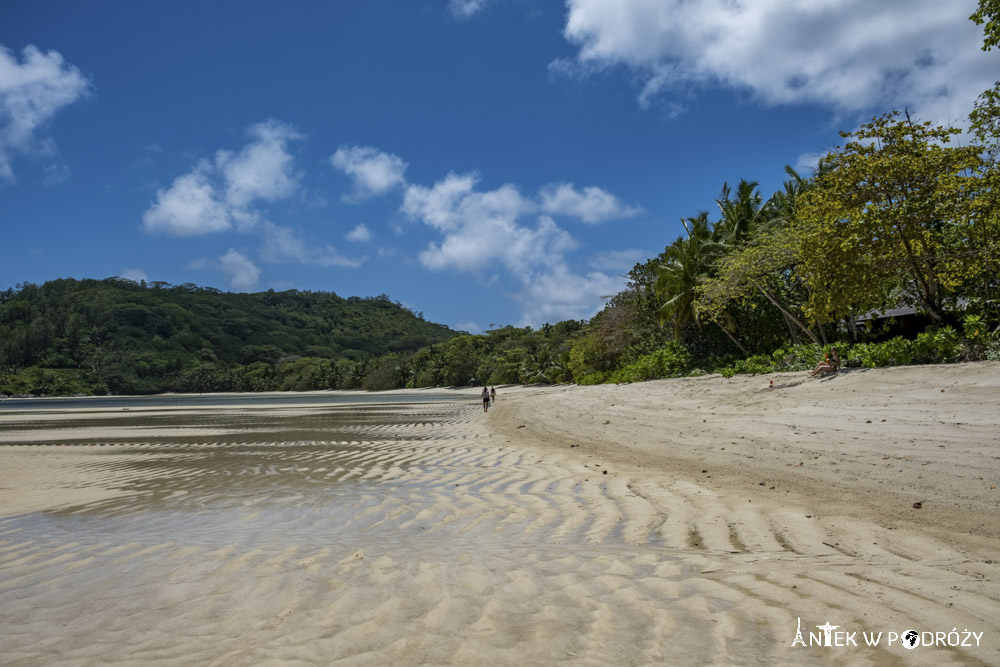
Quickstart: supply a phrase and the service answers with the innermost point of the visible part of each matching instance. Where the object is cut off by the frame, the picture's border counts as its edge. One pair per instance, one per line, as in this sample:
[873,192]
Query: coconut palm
[741,214]
[688,263]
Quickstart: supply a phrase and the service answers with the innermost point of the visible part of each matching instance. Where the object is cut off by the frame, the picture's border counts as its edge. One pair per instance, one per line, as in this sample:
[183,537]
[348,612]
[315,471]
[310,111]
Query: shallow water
[285,399]
[361,526]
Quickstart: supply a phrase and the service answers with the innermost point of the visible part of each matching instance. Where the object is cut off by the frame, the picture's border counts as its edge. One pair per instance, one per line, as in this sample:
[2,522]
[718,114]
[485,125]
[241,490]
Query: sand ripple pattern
[410,534]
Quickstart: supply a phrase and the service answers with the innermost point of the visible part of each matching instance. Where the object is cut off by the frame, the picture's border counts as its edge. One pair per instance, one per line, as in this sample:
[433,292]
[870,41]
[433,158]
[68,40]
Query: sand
[691,521]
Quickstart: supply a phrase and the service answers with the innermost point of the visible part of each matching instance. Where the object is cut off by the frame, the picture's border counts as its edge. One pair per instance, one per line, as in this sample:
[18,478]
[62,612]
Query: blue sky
[486,162]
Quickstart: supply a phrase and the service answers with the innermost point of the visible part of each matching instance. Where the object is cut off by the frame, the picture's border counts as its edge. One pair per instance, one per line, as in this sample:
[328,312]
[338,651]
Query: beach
[688,521]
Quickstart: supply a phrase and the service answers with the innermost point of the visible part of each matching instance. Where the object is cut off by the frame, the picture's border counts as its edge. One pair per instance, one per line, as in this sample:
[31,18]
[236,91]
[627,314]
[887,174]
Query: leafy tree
[887,223]
[985,125]
[988,16]
[753,270]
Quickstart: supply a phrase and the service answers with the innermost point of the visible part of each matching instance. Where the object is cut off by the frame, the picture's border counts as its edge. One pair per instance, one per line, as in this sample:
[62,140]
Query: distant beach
[689,521]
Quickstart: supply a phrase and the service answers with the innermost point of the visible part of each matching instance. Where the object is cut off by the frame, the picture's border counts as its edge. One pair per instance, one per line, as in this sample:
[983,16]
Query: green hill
[94,336]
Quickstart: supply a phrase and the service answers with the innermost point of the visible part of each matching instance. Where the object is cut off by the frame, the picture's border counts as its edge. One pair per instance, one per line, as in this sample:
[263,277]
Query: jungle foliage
[99,336]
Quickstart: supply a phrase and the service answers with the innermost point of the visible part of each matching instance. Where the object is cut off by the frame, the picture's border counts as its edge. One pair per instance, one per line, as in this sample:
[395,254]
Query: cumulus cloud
[189,207]
[484,232]
[592,204]
[436,206]
[31,92]
[849,55]
[240,273]
[263,169]
[360,234]
[373,172]
[227,193]
[217,195]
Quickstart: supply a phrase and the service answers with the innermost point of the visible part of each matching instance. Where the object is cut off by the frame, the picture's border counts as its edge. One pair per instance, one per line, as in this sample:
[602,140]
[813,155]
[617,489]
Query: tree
[888,222]
[988,14]
[985,125]
[687,263]
[753,269]
[740,214]
[764,263]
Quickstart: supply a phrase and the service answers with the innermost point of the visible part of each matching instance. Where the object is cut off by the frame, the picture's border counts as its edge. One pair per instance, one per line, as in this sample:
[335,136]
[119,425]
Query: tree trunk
[733,338]
[773,299]
[851,327]
[791,328]
[822,333]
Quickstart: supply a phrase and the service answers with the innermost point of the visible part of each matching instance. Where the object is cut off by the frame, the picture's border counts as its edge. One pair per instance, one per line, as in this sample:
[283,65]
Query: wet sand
[435,534]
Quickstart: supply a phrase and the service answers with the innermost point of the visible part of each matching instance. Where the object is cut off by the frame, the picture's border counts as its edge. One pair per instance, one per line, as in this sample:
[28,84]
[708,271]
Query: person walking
[493,395]
[486,399]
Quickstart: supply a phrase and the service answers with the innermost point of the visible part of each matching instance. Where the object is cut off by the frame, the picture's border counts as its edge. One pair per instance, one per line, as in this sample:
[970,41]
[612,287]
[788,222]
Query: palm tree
[688,261]
[740,214]
[402,372]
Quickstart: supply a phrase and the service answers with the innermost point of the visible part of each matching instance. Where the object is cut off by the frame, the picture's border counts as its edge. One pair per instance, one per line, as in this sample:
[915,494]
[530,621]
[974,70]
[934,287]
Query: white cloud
[592,205]
[284,244]
[135,275]
[263,169]
[189,207]
[560,294]
[360,234]
[468,325]
[217,195]
[484,232]
[479,227]
[30,94]
[436,206]
[849,55]
[226,193]
[463,9]
[240,273]
[373,172]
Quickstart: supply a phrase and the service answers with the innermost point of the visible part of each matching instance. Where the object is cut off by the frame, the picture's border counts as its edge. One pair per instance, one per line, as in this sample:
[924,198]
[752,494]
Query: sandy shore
[692,521]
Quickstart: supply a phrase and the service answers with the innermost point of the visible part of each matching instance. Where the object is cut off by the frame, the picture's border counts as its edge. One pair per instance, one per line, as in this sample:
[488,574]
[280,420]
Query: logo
[829,635]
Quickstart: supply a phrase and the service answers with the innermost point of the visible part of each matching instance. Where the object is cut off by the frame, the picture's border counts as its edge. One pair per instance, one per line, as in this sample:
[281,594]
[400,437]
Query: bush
[930,347]
[802,357]
[592,378]
[670,360]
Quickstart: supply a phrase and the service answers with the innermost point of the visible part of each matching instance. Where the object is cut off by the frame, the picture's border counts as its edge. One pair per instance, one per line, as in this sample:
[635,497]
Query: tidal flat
[424,532]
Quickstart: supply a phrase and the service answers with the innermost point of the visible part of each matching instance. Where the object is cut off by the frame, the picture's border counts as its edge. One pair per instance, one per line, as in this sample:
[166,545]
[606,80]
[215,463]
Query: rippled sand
[419,534]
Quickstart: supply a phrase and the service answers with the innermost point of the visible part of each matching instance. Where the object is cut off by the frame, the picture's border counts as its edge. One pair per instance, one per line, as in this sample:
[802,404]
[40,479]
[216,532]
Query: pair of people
[489,395]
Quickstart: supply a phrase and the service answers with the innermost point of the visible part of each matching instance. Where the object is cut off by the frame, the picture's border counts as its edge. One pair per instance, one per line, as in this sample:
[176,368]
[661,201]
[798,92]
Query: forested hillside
[119,336]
